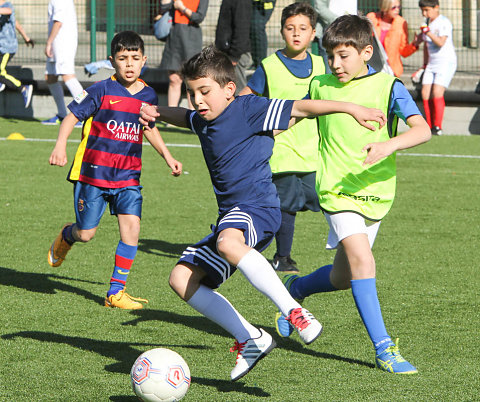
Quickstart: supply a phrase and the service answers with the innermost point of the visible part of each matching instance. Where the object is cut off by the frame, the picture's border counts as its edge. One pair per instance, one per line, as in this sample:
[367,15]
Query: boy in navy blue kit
[236,135]
[108,162]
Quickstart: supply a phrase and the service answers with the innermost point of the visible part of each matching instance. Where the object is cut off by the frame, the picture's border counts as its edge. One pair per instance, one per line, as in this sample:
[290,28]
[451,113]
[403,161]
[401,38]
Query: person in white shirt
[440,62]
[60,50]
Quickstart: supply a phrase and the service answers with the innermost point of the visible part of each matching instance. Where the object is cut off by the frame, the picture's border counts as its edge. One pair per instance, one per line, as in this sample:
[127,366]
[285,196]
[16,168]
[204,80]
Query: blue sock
[284,236]
[124,257]
[365,294]
[316,282]
[68,235]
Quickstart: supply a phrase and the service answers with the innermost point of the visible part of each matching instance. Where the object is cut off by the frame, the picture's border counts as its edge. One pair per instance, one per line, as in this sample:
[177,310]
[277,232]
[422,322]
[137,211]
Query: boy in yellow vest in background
[356,177]
[286,74]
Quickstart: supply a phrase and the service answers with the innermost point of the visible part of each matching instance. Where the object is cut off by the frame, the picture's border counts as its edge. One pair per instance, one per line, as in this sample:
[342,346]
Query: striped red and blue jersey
[110,154]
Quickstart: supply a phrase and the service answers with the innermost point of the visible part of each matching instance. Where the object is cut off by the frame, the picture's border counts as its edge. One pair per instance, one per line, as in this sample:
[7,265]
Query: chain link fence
[138,15]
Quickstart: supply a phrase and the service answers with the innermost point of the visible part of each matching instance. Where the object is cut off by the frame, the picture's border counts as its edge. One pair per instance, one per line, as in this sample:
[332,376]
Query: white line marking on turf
[78,141]
[198,146]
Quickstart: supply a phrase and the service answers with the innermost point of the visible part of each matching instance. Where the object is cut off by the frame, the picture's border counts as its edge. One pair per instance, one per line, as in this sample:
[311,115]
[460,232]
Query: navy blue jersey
[237,146]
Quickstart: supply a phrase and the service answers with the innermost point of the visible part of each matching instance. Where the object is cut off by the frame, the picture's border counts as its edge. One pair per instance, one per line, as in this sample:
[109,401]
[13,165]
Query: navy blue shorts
[259,226]
[90,203]
[296,191]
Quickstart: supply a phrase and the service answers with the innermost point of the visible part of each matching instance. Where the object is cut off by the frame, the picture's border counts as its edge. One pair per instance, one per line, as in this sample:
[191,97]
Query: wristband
[184,10]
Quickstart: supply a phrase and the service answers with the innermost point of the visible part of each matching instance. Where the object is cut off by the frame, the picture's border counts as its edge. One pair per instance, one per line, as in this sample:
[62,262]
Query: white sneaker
[250,352]
[306,324]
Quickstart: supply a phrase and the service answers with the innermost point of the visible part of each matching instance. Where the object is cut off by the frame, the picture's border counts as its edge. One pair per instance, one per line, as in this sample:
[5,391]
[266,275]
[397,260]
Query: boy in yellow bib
[356,177]
[286,74]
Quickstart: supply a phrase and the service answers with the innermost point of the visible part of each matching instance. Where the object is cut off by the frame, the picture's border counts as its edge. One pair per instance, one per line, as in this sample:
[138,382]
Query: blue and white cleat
[27,91]
[391,361]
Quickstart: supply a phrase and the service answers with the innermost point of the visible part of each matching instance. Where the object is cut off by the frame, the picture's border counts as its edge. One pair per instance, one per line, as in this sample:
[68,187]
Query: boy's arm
[59,154]
[25,37]
[314,107]
[172,115]
[53,33]
[153,136]
[418,133]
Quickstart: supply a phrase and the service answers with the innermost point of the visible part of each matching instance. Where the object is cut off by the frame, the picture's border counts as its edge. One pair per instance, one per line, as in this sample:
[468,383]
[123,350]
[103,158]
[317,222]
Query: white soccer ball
[160,375]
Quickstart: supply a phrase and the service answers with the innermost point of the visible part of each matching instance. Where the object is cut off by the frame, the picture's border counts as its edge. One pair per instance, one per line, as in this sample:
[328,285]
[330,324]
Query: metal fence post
[110,23]
[93,31]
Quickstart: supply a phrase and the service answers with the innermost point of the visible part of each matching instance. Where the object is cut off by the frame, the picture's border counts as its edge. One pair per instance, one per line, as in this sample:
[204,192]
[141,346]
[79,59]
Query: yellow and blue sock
[365,295]
[124,257]
[316,282]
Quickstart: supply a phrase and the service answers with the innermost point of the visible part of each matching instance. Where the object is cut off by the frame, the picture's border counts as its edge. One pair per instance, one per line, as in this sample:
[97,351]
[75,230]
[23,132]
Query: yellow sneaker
[125,301]
[59,249]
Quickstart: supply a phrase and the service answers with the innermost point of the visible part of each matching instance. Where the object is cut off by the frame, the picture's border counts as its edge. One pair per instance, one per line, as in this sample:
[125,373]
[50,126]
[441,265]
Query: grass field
[58,342]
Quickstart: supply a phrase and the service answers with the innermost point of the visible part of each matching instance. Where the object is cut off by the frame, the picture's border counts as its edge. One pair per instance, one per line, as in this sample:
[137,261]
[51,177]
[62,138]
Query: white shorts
[62,64]
[440,75]
[346,224]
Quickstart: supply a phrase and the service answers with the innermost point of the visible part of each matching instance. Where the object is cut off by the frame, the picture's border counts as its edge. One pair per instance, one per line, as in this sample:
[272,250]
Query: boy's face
[298,33]
[346,63]
[128,65]
[430,12]
[208,97]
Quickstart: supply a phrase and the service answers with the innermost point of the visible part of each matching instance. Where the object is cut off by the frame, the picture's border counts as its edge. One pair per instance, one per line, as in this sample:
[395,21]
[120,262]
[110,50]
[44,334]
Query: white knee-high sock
[218,309]
[57,92]
[261,275]
[74,86]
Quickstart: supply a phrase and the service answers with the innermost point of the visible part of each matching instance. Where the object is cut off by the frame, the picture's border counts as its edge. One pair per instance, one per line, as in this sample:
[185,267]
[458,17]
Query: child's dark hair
[299,9]
[348,30]
[210,62]
[126,40]
[428,3]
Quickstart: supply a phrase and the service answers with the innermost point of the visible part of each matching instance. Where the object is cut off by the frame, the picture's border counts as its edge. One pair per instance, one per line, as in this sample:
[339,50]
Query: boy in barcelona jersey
[236,135]
[356,177]
[107,165]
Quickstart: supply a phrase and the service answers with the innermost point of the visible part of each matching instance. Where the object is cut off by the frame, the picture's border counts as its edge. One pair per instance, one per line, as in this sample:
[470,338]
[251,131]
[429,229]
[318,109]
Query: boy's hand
[148,114]
[364,114]
[30,42]
[377,151]
[58,157]
[176,167]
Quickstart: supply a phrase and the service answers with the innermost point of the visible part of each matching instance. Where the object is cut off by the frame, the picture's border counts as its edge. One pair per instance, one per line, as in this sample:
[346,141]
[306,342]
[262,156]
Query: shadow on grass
[123,352]
[161,248]
[223,386]
[45,283]
[205,325]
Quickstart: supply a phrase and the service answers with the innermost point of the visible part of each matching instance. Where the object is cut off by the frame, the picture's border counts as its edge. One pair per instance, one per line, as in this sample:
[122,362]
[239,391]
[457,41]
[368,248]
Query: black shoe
[284,264]
[436,130]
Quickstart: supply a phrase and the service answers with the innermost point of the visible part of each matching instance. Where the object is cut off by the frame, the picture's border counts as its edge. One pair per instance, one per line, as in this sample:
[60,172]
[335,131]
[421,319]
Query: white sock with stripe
[255,267]
[74,86]
[217,308]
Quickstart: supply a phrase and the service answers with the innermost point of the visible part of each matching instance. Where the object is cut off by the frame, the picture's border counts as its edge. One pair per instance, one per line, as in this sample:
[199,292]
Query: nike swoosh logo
[113,102]
[122,272]
[53,260]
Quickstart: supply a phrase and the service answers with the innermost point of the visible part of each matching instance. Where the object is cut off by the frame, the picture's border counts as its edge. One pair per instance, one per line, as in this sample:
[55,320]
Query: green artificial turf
[59,343]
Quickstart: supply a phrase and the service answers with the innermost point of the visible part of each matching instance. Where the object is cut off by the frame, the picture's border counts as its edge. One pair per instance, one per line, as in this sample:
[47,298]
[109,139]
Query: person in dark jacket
[233,36]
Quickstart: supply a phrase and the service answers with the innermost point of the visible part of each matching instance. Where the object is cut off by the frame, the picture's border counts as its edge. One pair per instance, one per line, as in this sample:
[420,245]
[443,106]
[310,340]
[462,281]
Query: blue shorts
[90,203]
[259,226]
[296,191]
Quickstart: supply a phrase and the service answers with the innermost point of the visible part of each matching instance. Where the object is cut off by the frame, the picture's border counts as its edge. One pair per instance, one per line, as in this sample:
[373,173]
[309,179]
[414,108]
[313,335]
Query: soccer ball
[160,375]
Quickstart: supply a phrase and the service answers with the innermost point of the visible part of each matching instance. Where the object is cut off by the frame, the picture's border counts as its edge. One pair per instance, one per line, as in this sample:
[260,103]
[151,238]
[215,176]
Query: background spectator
[8,48]
[60,50]
[232,36]
[392,31]
[184,41]
[440,61]
[261,12]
